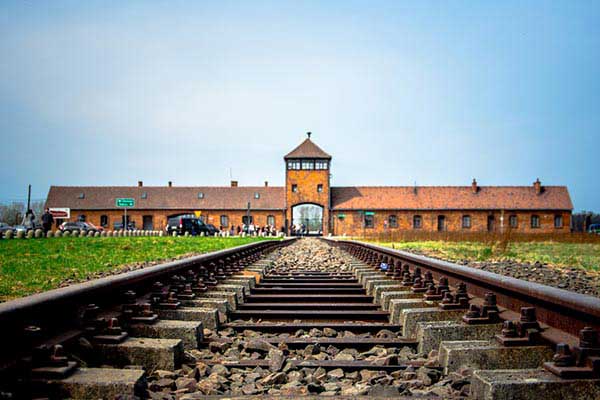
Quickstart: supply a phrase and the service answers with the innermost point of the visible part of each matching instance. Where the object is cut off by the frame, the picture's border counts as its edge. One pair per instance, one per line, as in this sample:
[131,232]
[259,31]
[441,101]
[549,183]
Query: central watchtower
[307,190]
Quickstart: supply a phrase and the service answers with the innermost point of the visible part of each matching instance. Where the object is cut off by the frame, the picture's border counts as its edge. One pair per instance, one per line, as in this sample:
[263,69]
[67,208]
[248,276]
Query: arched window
[393,221]
[224,220]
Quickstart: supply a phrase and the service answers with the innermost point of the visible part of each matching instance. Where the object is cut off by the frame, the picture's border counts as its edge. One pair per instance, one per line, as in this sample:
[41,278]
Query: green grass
[30,266]
[581,255]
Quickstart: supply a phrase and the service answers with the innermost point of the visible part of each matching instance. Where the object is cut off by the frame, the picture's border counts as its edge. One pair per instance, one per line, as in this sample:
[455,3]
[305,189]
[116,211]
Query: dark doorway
[491,223]
[441,223]
[147,223]
[307,219]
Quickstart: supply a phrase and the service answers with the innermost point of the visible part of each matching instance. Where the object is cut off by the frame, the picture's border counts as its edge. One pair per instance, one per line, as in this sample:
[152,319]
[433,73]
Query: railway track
[272,319]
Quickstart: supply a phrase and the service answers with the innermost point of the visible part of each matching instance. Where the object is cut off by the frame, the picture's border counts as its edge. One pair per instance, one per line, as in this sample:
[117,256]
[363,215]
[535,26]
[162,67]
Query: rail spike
[581,362]
[459,300]
[488,313]
[524,332]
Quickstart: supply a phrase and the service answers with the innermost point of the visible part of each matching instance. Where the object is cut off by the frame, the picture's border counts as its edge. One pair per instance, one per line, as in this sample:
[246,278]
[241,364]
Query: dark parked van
[185,223]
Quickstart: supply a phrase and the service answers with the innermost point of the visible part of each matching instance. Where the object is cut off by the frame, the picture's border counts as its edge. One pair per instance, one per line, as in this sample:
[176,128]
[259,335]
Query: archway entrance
[307,219]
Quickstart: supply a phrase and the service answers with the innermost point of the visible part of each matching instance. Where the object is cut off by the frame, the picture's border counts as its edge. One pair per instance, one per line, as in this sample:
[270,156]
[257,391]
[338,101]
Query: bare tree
[12,213]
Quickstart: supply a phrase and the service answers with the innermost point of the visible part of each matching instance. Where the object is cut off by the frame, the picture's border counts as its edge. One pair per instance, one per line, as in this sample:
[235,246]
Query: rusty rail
[57,311]
[564,313]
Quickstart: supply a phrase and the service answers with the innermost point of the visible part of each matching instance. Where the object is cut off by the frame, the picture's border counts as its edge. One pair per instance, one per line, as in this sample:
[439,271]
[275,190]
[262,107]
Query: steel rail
[564,312]
[58,309]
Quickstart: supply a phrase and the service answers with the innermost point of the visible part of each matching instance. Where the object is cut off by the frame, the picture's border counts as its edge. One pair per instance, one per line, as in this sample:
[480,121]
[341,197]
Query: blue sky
[111,92]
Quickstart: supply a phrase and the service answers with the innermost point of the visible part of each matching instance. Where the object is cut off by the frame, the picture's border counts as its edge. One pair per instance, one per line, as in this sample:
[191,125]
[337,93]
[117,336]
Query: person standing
[47,220]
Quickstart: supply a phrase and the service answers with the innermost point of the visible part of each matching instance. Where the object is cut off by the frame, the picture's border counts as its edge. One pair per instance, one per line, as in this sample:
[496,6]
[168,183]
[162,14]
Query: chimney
[234,183]
[537,185]
[170,184]
[474,186]
[308,134]
[266,183]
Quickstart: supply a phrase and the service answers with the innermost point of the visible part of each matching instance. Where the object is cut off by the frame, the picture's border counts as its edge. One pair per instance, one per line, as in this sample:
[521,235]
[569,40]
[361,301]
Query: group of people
[298,230]
[251,229]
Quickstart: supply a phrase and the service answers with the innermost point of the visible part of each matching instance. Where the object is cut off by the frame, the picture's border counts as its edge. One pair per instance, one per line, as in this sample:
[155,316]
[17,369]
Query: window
[200,195]
[245,219]
[369,221]
[535,221]
[257,195]
[308,164]
[320,164]
[466,221]
[104,220]
[393,221]
[293,164]
[294,188]
[81,195]
[417,222]
[271,220]
[145,195]
[558,221]
[513,221]
[224,220]
[81,218]
[320,188]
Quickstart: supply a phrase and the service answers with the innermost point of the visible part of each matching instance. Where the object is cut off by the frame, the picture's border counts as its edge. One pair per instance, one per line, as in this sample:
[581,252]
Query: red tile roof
[171,198]
[307,149]
[342,198]
[450,198]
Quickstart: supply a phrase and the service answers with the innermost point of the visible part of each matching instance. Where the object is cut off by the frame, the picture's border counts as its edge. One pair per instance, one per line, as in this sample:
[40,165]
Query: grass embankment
[581,255]
[36,265]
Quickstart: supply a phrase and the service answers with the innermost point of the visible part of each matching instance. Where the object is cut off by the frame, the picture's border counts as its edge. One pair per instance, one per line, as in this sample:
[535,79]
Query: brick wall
[353,222]
[159,217]
[307,183]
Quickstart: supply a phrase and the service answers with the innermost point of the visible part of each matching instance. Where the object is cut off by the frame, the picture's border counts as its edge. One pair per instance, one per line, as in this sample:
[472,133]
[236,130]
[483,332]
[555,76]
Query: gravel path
[199,378]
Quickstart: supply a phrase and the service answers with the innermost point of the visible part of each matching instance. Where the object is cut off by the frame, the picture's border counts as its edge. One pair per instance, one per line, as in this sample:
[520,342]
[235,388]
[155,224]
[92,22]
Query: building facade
[308,202]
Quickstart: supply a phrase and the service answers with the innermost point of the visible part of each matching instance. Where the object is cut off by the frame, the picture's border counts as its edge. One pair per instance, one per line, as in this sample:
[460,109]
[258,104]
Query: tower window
[294,188]
[308,164]
[320,164]
[320,188]
[293,164]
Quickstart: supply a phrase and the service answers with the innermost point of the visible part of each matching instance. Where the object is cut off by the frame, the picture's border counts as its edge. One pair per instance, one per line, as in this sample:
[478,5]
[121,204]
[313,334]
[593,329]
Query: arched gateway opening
[307,219]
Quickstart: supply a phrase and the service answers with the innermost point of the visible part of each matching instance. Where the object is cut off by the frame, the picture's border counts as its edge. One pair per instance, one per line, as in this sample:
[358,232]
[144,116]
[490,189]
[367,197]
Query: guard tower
[307,194]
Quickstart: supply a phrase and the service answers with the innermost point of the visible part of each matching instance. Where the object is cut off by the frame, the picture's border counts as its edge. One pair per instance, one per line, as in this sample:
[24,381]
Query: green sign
[342,216]
[369,213]
[128,203]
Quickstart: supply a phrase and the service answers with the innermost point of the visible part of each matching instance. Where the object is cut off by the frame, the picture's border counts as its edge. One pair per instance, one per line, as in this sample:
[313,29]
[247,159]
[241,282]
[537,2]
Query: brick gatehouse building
[308,199]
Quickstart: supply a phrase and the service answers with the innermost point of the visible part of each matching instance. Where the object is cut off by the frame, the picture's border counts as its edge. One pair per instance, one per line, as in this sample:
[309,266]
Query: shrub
[8,234]
[49,234]
[30,234]
[58,234]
